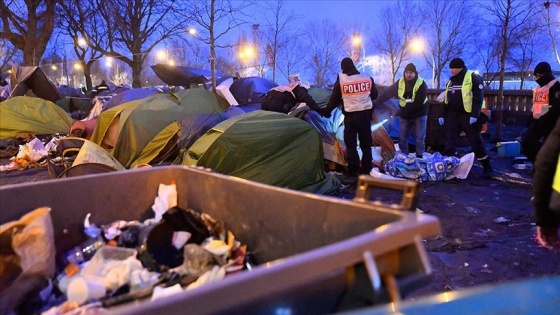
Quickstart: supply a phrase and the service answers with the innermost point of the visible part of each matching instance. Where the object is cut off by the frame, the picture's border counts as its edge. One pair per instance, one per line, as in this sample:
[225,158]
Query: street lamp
[417,46]
[358,45]
[246,54]
[163,55]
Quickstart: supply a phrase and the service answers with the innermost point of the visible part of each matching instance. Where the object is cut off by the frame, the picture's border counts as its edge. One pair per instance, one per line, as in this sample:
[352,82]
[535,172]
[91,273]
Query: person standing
[463,99]
[412,92]
[284,98]
[355,92]
[546,110]
[546,191]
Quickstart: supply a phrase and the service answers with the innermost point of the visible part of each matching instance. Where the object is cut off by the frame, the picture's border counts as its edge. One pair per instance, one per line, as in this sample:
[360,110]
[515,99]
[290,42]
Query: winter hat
[457,63]
[542,69]
[410,67]
[347,64]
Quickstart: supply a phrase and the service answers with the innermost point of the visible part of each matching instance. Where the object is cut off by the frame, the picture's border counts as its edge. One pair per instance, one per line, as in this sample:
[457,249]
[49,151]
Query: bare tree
[525,54]
[512,20]
[449,26]
[553,26]
[277,31]
[487,54]
[290,60]
[8,54]
[28,26]
[324,49]
[131,29]
[397,32]
[77,20]
[213,20]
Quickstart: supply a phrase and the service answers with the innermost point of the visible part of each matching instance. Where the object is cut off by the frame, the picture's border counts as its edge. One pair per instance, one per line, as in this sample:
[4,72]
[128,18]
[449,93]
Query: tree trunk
[136,71]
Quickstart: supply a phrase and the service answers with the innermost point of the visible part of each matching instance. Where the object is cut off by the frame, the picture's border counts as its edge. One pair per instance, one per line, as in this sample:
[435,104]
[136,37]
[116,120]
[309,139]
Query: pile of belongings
[174,250]
[435,167]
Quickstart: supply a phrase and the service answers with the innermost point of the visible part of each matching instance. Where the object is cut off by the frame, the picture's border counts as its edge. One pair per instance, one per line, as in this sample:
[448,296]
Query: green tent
[25,114]
[267,147]
[141,130]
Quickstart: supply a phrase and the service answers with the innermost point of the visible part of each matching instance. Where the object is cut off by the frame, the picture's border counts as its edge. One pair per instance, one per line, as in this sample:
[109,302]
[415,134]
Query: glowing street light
[417,46]
[82,42]
[191,31]
[77,66]
[359,54]
[54,67]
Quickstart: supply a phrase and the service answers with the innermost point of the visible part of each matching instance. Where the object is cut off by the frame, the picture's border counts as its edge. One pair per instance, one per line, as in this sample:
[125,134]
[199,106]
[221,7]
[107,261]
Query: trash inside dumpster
[309,253]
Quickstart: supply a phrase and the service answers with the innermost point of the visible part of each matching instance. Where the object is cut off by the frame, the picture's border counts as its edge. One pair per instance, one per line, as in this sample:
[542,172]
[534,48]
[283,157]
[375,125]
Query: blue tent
[250,90]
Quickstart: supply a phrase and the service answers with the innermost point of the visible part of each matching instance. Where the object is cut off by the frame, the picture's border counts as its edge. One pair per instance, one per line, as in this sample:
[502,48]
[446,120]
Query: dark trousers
[539,129]
[455,122]
[357,126]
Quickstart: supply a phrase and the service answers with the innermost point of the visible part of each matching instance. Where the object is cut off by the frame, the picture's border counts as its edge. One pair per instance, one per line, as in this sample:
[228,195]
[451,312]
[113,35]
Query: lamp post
[359,54]
[109,64]
[417,46]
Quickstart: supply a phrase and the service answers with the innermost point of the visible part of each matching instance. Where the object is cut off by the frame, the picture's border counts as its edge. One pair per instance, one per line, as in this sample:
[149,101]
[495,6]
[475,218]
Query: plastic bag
[27,256]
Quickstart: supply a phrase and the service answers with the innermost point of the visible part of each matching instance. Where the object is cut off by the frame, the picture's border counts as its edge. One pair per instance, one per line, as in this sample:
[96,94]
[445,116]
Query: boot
[486,167]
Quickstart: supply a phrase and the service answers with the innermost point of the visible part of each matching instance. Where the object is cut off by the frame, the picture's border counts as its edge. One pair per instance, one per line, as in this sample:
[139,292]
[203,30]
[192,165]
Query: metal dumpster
[316,254]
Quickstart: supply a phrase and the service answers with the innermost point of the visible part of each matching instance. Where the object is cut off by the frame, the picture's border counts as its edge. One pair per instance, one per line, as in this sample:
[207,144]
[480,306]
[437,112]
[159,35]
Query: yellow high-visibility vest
[555,196]
[402,100]
[466,91]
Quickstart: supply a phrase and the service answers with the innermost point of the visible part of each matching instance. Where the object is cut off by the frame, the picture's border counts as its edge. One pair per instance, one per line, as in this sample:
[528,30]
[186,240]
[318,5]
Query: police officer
[284,98]
[546,110]
[463,99]
[356,93]
[546,191]
[412,92]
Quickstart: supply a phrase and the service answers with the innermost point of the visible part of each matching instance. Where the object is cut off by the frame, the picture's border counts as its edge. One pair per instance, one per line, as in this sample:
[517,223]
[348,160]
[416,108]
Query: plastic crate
[316,254]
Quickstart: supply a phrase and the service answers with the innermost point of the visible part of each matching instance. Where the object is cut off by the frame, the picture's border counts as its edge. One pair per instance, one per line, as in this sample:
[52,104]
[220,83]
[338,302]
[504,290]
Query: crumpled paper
[27,254]
[165,200]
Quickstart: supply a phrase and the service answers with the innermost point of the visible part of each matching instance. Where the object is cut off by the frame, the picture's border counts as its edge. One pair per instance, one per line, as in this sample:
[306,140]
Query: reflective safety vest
[555,196]
[402,100]
[286,88]
[540,99]
[355,91]
[466,91]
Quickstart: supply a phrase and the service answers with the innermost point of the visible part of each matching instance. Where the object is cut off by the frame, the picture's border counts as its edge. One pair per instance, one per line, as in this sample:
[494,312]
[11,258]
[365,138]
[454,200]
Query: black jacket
[419,106]
[545,168]
[283,102]
[455,100]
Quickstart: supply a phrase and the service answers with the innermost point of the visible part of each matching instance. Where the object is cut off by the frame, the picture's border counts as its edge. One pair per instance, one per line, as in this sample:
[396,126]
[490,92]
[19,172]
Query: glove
[440,121]
[324,113]
[472,120]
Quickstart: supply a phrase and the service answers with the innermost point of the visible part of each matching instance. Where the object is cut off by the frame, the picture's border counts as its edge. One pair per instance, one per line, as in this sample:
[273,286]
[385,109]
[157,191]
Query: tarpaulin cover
[33,78]
[250,90]
[267,147]
[182,76]
[127,129]
[24,114]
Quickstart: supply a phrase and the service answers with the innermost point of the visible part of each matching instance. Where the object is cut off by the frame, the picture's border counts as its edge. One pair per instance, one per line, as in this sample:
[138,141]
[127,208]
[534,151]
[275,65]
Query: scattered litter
[473,210]
[513,175]
[501,220]
[466,264]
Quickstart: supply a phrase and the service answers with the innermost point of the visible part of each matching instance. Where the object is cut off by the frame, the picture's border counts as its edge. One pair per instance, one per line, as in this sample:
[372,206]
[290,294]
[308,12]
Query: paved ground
[487,225]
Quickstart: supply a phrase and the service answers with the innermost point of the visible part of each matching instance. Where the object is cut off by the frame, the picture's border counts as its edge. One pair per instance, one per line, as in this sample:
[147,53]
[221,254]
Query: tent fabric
[25,114]
[125,130]
[127,95]
[267,147]
[33,78]
[250,90]
[194,126]
[182,76]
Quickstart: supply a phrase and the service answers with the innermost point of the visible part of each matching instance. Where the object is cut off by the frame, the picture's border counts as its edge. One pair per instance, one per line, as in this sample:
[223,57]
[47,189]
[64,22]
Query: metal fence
[517,103]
